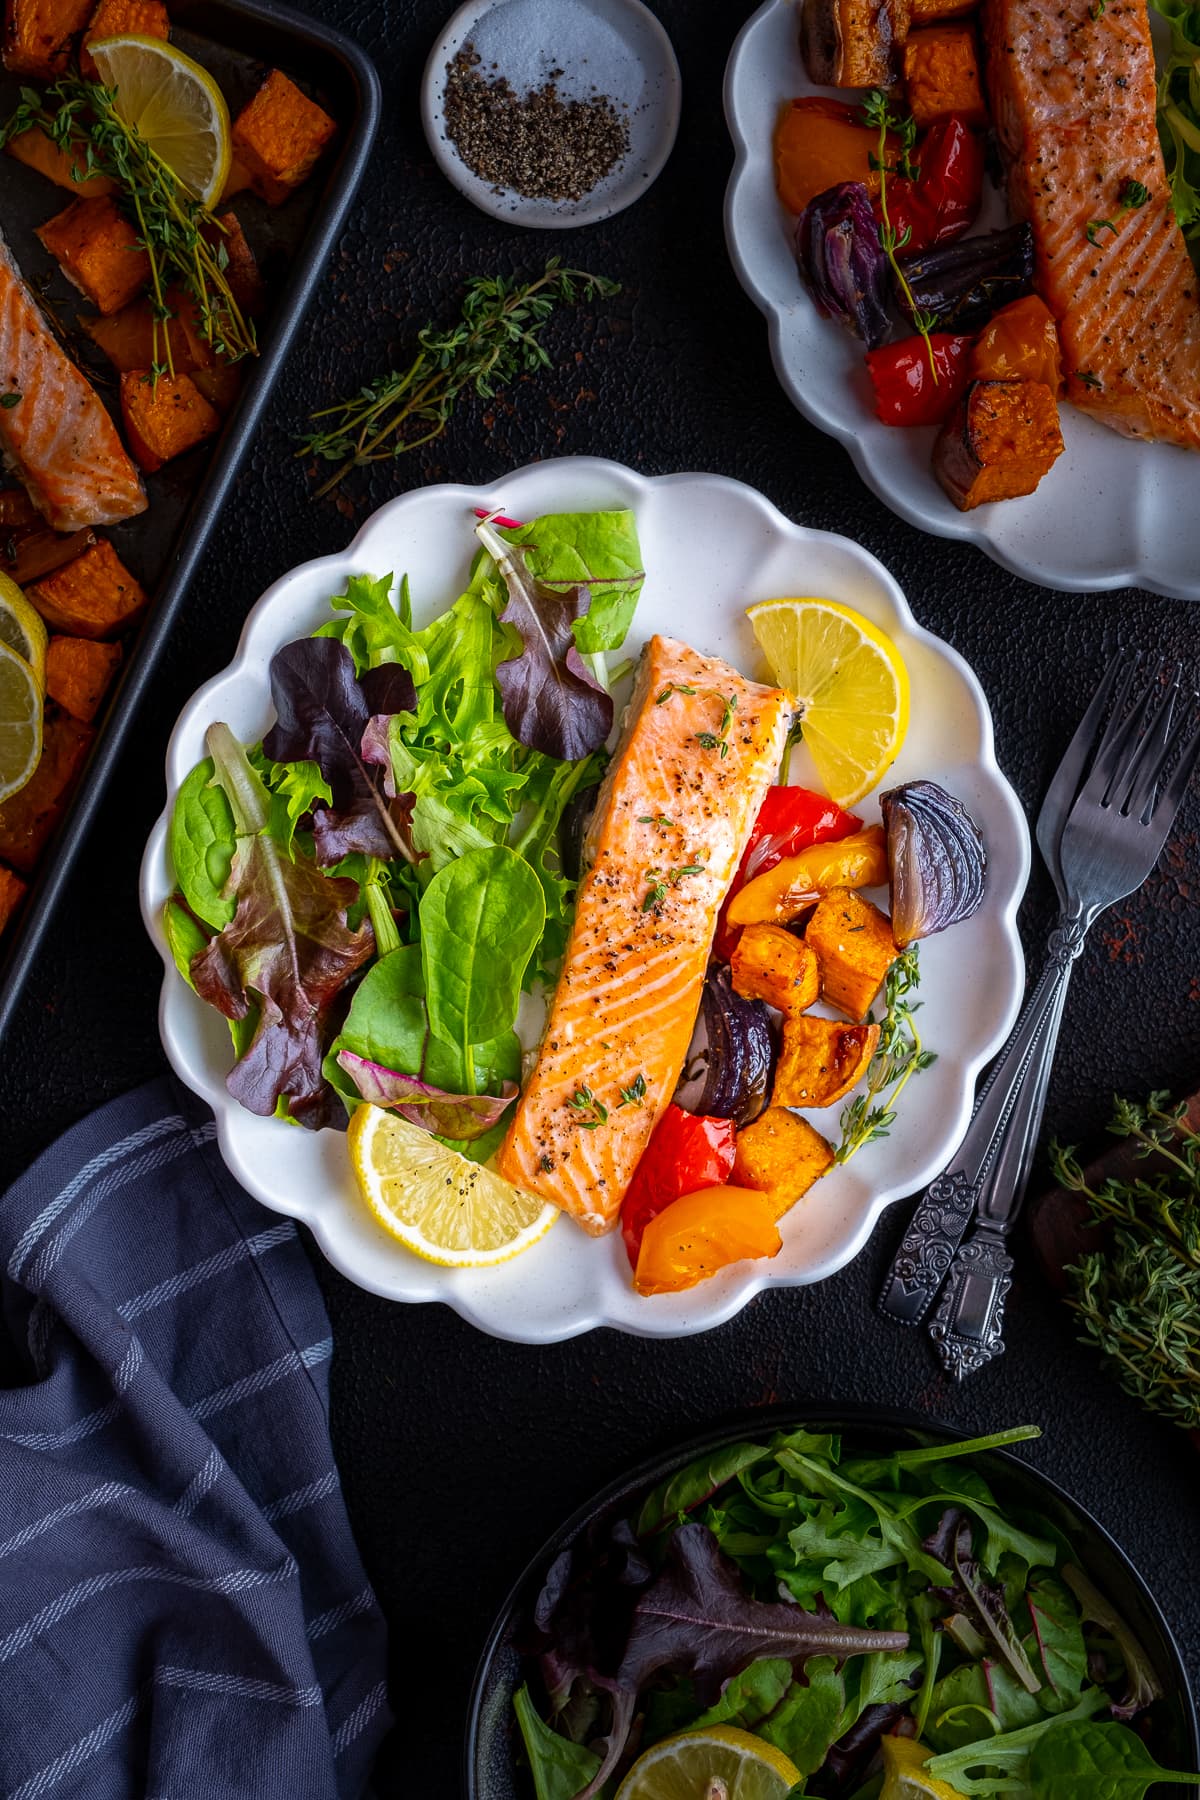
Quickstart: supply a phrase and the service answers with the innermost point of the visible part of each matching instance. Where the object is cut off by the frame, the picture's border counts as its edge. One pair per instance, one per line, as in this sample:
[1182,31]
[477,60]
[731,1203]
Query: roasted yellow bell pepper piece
[701,1233]
[780,894]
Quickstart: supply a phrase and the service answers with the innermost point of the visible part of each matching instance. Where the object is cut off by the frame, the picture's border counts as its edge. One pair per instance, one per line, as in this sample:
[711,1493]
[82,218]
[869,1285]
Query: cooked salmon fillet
[57,436]
[670,825]
[1072,87]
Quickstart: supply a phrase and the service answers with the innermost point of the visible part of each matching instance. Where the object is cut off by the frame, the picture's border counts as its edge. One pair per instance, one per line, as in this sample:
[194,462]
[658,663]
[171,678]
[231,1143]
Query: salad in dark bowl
[856,1606]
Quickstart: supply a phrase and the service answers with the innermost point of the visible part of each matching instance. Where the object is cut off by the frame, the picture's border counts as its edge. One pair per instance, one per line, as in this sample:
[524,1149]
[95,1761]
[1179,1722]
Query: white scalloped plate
[711,546]
[1111,513]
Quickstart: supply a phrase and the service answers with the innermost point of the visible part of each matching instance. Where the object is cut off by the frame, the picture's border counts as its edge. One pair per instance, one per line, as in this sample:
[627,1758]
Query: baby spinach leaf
[551,702]
[201,841]
[1144,1685]
[1084,1757]
[481,920]
[997,1760]
[287,950]
[560,1768]
[805,1723]
[460,1116]
[689,1487]
[185,937]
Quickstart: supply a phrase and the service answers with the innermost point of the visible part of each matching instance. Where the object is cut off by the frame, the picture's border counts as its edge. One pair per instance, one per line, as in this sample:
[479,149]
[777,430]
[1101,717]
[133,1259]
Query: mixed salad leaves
[824,1599]
[366,893]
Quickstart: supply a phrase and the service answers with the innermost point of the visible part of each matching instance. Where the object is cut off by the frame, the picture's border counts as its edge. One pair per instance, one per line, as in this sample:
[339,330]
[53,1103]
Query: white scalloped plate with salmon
[1111,513]
[710,548]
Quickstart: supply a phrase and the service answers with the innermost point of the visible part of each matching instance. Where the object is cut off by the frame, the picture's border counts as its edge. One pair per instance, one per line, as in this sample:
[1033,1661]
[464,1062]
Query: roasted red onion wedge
[936,860]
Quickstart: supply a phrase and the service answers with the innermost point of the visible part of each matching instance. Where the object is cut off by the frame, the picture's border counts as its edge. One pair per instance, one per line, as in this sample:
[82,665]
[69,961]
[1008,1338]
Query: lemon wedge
[851,684]
[21,628]
[695,1765]
[904,1775]
[174,105]
[440,1205]
[20,721]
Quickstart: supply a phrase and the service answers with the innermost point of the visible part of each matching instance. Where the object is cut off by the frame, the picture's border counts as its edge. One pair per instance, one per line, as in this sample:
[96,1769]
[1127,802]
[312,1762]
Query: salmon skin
[700,747]
[1073,88]
[57,436]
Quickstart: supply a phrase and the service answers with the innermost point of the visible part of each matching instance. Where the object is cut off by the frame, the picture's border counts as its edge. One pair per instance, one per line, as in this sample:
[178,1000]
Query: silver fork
[1101,830]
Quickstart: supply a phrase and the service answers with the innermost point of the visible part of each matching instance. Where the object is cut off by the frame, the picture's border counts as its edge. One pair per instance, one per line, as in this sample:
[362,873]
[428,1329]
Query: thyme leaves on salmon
[496,338]
[590,1113]
[899,1055]
[182,239]
[634,1094]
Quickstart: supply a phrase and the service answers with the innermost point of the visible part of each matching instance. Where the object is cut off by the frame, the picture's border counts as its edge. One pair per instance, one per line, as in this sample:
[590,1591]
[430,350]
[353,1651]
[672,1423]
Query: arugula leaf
[460,1116]
[999,1758]
[559,1767]
[287,950]
[481,920]
[551,701]
[805,1723]
[1090,1758]
[896,1530]
[322,713]
[201,841]
[692,1485]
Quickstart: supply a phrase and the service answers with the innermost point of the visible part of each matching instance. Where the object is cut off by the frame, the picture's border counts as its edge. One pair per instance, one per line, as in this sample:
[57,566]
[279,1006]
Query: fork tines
[1138,745]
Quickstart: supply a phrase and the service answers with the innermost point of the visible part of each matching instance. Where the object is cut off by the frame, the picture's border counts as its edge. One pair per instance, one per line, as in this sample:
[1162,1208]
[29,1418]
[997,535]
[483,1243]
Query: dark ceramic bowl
[492,1738]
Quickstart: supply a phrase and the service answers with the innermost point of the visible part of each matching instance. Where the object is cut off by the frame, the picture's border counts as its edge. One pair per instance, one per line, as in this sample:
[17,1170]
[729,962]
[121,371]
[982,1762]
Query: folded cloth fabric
[183,1611]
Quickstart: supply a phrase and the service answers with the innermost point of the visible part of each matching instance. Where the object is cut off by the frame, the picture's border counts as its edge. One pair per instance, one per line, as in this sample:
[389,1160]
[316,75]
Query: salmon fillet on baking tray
[1072,86]
[56,435]
[700,748]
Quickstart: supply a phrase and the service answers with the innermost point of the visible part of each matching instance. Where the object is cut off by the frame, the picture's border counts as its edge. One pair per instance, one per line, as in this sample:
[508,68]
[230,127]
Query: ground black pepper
[540,145]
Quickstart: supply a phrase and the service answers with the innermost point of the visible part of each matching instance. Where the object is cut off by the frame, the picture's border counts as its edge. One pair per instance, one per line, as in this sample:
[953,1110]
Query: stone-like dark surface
[459,1454]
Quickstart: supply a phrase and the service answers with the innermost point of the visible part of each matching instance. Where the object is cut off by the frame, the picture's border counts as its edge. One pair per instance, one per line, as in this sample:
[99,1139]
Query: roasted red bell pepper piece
[942,202]
[789,820]
[686,1152]
[905,391]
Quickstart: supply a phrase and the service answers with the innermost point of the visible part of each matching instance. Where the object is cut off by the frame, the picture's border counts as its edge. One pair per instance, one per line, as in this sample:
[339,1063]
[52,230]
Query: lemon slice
[721,1760]
[21,628]
[439,1204]
[20,721]
[851,684]
[175,105]
[903,1773]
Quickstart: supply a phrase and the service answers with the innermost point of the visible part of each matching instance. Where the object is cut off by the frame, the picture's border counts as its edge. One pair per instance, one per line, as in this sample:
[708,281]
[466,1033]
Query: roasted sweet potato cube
[29,816]
[855,949]
[113,18]
[769,964]
[164,418]
[37,151]
[853,43]
[93,597]
[78,672]
[129,340]
[999,441]
[241,265]
[11,890]
[97,248]
[780,1155]
[941,75]
[821,1060]
[278,137]
[38,35]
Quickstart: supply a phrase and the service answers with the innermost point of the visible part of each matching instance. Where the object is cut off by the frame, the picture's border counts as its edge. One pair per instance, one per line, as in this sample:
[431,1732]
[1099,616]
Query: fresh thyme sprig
[81,118]
[1138,1296]
[494,341]
[899,1055]
[882,117]
[589,1112]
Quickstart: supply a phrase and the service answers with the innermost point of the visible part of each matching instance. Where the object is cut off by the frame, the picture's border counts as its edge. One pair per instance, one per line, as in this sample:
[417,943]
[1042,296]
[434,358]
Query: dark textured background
[459,1454]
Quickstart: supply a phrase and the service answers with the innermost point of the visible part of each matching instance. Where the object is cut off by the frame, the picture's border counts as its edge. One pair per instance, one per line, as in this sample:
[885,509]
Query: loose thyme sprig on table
[899,1055]
[1138,1293]
[882,117]
[80,117]
[494,341]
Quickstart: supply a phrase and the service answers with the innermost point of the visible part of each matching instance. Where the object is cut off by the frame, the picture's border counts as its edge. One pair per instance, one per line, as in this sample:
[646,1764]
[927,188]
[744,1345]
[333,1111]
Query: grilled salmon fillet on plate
[700,748]
[56,436]
[1072,86]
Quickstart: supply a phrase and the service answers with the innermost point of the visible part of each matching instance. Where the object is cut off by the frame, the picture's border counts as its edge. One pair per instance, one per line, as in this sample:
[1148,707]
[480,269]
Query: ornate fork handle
[988,1173]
